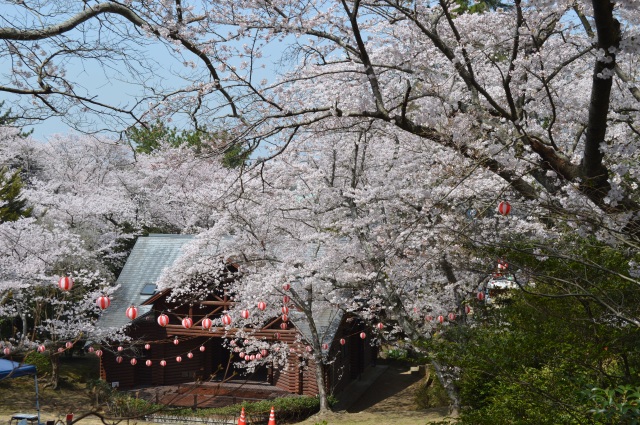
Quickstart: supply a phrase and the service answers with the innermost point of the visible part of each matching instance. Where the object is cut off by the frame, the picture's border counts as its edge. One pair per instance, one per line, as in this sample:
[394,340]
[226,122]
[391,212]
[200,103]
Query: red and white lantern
[441,319]
[187,322]
[467,309]
[132,312]
[481,295]
[68,344]
[264,352]
[133,361]
[285,318]
[285,309]
[65,283]
[190,355]
[258,356]
[286,299]
[241,355]
[276,335]
[428,318]
[286,287]
[245,314]
[147,346]
[504,208]
[163,363]
[42,348]
[226,320]
[176,341]
[60,350]
[179,359]
[452,317]
[99,353]
[119,359]
[283,326]
[148,362]
[380,326]
[363,335]
[252,357]
[502,265]
[325,346]
[163,320]
[103,302]
[6,351]
[206,323]
[262,306]
[202,348]
[120,348]
[90,349]
[343,341]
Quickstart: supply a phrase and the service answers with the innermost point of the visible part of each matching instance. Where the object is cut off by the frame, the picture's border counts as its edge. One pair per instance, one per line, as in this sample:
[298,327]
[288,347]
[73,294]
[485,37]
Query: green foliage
[125,406]
[40,361]
[619,405]
[528,358]
[479,6]
[431,393]
[12,205]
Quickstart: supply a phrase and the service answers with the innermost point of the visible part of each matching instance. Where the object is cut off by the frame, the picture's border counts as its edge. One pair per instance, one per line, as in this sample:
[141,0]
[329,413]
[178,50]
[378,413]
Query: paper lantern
[147,346]
[363,335]
[262,306]
[504,208]
[69,344]
[42,349]
[187,322]
[163,363]
[285,309]
[133,361]
[467,309]
[90,349]
[252,357]
[286,299]
[6,351]
[226,320]
[176,341]
[245,314]
[103,302]
[148,362]
[163,320]
[179,359]
[202,348]
[65,283]
[264,352]
[119,359]
[428,318]
[441,319]
[286,286]
[120,348]
[325,346]
[276,335]
[60,350]
[452,317]
[132,312]
[285,318]
[481,295]
[206,323]
[190,355]
[258,356]
[283,326]
[343,341]
[241,355]
[502,265]
[99,353]
[380,326]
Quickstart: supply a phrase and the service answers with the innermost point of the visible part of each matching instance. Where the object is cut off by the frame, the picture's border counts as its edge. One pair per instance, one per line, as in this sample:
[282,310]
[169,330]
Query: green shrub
[40,361]
[431,393]
[620,405]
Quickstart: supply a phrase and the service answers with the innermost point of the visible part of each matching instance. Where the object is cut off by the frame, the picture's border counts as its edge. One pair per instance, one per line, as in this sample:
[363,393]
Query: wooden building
[198,354]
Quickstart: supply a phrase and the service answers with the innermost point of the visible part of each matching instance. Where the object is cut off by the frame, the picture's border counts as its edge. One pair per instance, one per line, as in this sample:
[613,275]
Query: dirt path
[389,400]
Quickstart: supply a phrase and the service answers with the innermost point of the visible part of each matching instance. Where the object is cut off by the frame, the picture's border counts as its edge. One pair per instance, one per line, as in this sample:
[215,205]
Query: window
[149,289]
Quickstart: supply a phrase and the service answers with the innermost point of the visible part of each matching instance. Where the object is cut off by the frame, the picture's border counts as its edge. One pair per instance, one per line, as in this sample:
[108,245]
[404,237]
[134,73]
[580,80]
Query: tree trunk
[448,383]
[320,381]
[55,370]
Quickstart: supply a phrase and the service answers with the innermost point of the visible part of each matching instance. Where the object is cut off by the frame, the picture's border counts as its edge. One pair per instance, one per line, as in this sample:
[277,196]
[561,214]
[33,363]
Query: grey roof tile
[149,257]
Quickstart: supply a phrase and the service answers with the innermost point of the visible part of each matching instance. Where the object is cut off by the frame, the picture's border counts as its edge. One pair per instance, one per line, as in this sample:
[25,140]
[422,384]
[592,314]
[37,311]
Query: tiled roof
[326,318]
[148,258]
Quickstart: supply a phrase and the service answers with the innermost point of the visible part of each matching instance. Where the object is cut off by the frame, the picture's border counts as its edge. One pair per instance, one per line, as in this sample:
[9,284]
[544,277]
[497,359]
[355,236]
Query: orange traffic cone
[272,417]
[242,420]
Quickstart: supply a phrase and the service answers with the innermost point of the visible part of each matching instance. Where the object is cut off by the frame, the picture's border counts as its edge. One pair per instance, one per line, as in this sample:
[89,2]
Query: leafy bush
[40,361]
[431,393]
[620,405]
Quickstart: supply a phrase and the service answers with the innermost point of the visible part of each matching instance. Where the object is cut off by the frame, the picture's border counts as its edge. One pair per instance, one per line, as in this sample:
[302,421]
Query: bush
[431,393]
[40,361]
